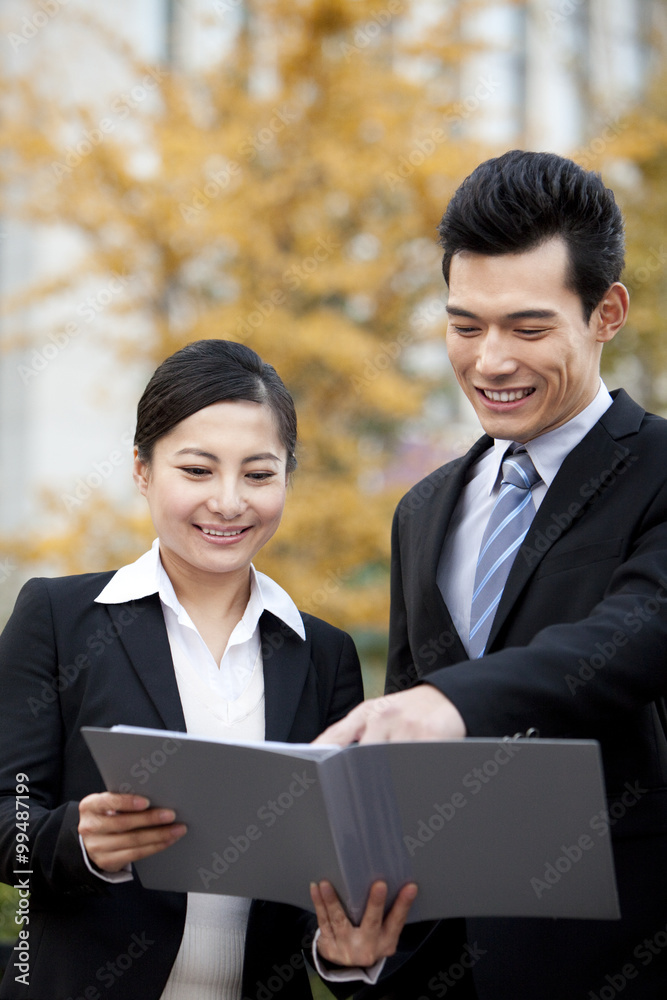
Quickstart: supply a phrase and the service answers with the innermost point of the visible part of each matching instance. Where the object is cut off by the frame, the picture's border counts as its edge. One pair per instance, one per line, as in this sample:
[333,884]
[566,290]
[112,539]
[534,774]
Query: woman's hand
[118,829]
[376,937]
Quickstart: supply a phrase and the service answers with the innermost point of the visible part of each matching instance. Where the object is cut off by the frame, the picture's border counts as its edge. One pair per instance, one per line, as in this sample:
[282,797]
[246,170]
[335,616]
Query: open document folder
[485,827]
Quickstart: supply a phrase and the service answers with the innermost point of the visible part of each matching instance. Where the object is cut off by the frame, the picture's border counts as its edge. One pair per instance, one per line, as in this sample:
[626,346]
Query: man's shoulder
[627,420]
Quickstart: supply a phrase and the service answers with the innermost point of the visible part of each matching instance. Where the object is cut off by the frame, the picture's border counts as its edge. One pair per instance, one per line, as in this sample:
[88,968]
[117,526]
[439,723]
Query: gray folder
[485,827]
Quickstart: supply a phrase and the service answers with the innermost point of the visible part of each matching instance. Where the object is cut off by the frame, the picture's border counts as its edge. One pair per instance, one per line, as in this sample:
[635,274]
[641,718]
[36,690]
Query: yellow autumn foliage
[298,216]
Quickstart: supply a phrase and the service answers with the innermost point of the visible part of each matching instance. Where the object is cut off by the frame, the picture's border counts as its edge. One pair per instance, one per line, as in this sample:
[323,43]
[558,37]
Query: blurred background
[273,171]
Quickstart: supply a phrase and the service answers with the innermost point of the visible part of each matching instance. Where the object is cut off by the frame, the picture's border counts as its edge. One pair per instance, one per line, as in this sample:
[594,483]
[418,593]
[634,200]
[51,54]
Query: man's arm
[570,678]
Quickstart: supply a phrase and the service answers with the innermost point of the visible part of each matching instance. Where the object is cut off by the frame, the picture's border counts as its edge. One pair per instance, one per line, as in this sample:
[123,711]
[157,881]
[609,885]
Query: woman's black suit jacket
[67,662]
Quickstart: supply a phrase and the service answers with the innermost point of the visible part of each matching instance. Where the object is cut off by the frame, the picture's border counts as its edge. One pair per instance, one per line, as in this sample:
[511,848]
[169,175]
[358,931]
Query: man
[573,643]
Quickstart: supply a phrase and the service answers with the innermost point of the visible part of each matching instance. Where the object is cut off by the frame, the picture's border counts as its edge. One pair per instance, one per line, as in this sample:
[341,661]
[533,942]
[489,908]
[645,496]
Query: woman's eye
[260,476]
[195,470]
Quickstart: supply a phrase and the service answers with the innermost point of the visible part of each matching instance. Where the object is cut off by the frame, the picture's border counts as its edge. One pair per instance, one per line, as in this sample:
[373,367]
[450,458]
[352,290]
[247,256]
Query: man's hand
[118,829]
[376,937]
[422,713]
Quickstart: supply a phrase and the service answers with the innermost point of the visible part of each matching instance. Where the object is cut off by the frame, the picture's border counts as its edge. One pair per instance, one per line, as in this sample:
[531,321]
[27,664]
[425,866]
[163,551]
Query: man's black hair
[517,201]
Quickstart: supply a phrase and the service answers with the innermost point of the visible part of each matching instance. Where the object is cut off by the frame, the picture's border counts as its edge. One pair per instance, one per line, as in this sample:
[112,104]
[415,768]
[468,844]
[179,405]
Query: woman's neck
[214,601]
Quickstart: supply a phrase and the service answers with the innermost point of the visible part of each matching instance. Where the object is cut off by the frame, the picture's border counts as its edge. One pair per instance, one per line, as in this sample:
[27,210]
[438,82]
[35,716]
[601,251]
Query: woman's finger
[113,854]
[395,920]
[119,829]
[376,937]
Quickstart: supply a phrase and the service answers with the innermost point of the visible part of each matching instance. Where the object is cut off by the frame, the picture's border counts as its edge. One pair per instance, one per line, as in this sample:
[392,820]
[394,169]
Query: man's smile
[506,395]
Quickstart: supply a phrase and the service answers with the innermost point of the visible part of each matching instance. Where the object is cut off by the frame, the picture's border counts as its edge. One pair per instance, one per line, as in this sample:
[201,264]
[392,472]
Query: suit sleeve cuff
[343,974]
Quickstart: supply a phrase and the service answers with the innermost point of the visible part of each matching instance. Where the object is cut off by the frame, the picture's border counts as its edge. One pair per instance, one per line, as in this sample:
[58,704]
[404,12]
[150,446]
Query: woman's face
[216,489]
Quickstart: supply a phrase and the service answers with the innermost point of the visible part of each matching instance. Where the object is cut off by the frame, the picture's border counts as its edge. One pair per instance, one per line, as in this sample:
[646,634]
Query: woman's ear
[140,473]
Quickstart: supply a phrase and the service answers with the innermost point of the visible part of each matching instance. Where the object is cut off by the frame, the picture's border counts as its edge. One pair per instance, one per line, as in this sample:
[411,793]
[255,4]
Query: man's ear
[140,473]
[611,313]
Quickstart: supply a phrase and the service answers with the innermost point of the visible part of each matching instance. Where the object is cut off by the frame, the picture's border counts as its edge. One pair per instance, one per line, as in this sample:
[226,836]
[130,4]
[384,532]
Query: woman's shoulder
[78,587]
[63,598]
[319,628]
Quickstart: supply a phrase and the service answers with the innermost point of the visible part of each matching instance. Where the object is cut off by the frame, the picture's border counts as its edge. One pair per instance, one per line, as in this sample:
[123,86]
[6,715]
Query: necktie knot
[518,470]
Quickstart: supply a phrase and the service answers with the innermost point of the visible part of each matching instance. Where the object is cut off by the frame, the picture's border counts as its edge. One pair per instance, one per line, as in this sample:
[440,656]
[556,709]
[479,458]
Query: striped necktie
[506,529]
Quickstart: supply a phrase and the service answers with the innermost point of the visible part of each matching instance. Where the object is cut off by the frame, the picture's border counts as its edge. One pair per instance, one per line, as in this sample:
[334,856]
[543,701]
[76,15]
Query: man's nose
[494,357]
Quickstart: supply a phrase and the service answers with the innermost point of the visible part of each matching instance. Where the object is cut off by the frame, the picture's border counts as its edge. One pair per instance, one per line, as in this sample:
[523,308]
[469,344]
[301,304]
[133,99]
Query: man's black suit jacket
[578,649]
[66,662]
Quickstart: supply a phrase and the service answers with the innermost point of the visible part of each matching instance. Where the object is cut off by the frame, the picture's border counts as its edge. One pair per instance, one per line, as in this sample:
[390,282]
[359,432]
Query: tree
[287,198]
[628,146]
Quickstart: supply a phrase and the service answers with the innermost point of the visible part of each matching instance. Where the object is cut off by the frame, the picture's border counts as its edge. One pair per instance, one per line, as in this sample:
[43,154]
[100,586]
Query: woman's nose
[227,500]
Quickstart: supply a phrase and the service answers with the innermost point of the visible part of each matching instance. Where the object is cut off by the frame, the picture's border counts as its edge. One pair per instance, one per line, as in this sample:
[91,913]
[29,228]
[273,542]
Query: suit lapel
[588,470]
[286,660]
[141,629]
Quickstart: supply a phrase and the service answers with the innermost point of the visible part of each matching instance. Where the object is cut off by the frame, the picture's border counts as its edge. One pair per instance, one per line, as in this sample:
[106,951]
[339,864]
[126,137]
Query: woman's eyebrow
[199,452]
[265,456]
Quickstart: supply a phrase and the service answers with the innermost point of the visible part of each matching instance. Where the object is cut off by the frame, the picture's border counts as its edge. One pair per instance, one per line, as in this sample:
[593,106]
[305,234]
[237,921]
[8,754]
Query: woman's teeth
[223,534]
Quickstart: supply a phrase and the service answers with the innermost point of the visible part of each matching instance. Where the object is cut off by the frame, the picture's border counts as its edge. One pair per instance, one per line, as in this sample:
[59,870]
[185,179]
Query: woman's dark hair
[207,372]
[515,202]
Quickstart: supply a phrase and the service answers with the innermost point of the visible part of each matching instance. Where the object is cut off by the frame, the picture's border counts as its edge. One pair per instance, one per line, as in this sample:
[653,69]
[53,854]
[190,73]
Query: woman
[184,639]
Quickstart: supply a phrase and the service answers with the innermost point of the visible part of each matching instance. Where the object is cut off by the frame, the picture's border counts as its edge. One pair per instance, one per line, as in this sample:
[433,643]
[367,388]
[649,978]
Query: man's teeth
[223,534]
[506,397]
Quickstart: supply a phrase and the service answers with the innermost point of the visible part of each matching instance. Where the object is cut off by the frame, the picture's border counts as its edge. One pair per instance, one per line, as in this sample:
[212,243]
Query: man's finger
[347,730]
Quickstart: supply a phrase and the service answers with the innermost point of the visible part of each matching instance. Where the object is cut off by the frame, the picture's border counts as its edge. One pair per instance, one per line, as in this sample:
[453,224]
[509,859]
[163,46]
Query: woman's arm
[42,667]
[31,744]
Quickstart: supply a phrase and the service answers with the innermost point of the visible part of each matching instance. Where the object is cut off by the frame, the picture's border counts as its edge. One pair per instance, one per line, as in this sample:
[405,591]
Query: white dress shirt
[458,559]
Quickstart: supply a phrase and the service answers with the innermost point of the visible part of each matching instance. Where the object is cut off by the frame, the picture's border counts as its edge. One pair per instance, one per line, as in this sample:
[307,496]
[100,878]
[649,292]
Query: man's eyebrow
[455,311]
[519,314]
[532,314]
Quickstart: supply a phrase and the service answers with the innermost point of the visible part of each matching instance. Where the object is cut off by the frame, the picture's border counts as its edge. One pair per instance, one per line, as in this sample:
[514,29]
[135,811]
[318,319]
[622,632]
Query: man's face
[518,342]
